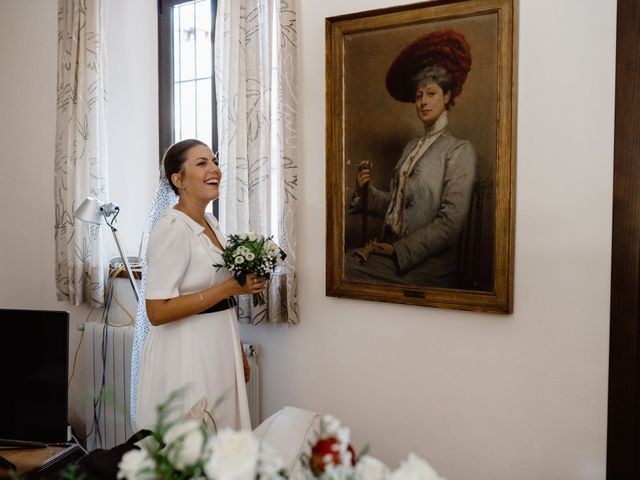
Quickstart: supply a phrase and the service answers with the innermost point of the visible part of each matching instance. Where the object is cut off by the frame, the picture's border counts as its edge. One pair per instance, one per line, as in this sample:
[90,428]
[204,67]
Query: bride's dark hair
[175,156]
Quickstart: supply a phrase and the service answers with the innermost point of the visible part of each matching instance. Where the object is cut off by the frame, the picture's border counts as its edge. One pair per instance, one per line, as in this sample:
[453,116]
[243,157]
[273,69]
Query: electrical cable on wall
[75,355]
[98,401]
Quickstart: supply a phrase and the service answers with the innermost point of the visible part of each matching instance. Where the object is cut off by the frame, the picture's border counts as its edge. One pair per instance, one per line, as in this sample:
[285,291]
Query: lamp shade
[90,211]
[93,210]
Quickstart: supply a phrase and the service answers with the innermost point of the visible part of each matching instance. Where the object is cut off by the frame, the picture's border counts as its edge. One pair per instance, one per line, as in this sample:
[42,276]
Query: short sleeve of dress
[168,256]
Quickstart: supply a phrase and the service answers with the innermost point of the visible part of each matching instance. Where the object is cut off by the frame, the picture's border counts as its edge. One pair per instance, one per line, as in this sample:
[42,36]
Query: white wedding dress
[201,353]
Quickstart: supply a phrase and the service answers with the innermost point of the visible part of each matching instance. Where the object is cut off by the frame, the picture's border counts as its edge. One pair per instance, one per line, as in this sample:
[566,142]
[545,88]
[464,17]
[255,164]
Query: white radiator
[108,366]
[107,352]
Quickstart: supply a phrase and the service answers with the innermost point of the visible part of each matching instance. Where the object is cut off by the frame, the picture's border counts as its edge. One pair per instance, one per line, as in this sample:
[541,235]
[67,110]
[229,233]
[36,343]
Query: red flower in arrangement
[332,458]
[322,450]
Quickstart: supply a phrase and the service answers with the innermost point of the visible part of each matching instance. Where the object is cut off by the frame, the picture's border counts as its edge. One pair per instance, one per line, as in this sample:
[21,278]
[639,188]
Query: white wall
[132,59]
[483,397]
[28,54]
[27,130]
[480,396]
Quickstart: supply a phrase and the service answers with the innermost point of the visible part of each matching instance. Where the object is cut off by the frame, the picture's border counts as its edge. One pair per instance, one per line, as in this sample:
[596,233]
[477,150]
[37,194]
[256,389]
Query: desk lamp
[94,211]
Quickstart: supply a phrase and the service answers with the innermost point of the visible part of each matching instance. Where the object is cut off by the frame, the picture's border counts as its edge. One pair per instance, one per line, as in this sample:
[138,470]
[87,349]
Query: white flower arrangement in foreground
[187,450]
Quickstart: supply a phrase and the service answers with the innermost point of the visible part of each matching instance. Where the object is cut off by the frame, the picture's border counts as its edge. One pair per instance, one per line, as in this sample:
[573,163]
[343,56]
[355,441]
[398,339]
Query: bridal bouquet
[251,253]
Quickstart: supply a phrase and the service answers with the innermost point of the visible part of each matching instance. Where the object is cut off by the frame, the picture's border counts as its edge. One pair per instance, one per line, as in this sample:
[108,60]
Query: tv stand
[6,444]
[6,464]
[38,463]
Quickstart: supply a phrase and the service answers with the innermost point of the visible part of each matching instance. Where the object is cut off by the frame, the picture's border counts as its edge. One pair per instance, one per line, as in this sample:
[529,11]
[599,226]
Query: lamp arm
[125,260]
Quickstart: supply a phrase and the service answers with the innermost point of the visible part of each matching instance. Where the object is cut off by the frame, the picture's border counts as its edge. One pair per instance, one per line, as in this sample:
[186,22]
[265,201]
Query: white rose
[331,425]
[415,468]
[184,441]
[239,260]
[242,236]
[136,465]
[338,472]
[370,468]
[269,463]
[233,455]
[252,237]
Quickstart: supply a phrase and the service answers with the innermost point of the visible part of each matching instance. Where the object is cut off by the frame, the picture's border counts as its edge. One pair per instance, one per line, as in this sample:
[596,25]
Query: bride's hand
[245,366]
[253,285]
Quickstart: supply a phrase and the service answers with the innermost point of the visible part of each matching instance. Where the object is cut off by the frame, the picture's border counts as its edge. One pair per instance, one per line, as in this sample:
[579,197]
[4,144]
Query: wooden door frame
[623,442]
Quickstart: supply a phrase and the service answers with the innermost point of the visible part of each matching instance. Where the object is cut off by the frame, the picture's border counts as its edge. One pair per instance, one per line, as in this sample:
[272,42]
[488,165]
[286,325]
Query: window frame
[165,76]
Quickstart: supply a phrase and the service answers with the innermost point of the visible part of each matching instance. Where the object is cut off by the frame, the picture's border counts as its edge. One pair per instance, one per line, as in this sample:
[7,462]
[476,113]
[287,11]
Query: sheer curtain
[255,74]
[80,168]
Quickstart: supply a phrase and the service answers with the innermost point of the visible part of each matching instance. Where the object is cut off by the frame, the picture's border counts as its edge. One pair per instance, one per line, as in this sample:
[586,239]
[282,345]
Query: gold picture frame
[465,261]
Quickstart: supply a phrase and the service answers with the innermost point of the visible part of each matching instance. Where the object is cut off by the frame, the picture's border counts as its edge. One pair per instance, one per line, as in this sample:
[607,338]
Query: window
[187,102]
[185,68]
[259,117]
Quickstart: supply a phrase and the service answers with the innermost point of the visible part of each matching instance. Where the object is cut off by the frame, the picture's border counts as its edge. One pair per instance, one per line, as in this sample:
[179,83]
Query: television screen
[34,354]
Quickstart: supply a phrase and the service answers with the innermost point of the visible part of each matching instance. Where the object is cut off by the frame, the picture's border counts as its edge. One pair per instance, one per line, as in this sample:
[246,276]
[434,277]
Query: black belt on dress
[224,304]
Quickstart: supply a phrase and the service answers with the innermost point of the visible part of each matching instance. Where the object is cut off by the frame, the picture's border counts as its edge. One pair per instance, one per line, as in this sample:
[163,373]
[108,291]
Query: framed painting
[420,150]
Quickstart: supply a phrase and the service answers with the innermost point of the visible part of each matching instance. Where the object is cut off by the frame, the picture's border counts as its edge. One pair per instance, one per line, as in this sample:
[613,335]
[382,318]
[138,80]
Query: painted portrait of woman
[420,156]
[428,199]
[419,187]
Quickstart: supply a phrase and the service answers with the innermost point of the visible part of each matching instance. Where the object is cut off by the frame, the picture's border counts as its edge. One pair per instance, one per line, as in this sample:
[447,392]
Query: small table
[41,463]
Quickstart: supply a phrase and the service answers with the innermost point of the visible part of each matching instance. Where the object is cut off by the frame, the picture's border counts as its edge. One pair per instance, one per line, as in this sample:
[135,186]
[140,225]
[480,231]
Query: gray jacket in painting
[436,202]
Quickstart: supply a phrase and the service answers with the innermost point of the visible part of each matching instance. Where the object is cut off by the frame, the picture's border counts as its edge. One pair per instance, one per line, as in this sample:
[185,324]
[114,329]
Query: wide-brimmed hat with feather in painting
[446,49]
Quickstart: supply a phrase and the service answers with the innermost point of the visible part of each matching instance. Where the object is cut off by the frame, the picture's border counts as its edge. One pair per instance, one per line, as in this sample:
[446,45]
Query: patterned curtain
[255,74]
[80,156]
